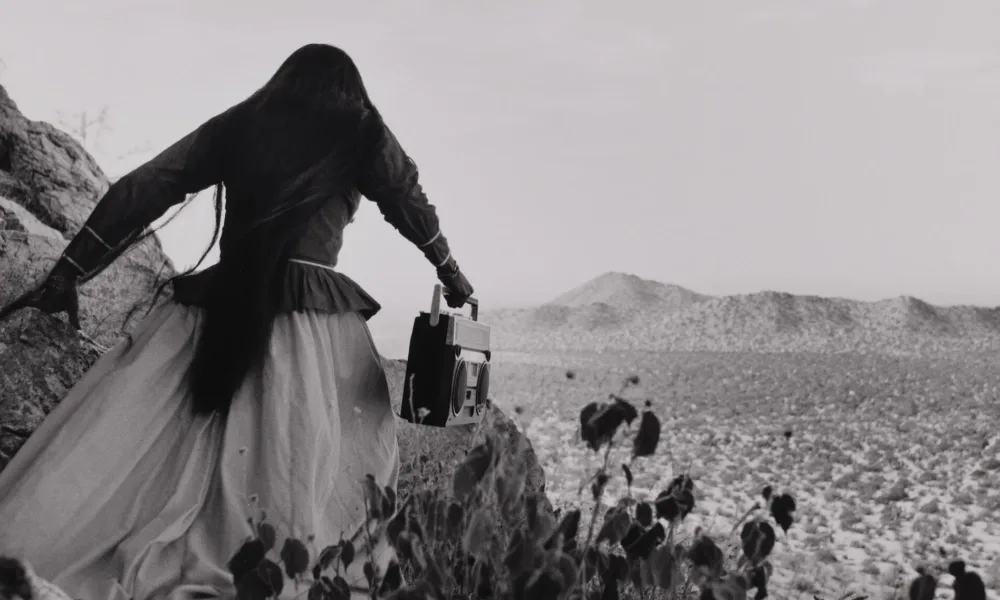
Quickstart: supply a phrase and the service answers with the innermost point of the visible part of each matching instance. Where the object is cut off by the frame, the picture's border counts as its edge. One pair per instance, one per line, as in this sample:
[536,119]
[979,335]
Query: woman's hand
[56,294]
[457,288]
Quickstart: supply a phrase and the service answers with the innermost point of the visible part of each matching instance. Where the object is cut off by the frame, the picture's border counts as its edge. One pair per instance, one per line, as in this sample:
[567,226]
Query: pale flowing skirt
[122,494]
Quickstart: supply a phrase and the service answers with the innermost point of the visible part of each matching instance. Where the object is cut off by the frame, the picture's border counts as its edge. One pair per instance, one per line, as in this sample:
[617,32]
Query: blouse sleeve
[392,182]
[132,203]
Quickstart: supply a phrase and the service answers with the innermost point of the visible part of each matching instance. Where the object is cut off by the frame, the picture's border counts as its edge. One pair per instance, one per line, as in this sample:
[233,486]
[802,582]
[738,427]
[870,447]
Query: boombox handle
[436,305]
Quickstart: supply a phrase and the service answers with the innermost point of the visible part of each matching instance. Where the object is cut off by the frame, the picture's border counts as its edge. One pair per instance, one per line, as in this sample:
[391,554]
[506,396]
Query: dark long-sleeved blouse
[194,163]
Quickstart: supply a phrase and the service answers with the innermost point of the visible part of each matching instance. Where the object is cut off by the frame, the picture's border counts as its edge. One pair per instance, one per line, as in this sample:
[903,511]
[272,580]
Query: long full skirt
[123,494]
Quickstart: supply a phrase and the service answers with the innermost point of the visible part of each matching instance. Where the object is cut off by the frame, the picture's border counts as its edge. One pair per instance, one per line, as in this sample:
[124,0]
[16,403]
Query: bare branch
[86,126]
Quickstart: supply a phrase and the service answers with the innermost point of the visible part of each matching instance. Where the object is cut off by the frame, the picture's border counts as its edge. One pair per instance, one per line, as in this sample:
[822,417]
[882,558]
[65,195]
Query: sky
[835,147]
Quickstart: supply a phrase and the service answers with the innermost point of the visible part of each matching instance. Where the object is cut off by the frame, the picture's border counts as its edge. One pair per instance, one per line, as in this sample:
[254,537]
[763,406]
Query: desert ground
[894,462]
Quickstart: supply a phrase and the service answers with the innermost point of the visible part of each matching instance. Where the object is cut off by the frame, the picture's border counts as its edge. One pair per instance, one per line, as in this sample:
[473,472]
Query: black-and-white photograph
[512,300]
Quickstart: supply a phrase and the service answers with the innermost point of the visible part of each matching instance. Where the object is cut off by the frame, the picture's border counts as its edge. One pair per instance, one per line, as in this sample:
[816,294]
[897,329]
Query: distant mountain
[629,292]
[622,312]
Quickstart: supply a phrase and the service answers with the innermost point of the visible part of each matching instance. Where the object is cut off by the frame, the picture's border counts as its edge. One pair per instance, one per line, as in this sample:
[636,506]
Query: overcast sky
[833,147]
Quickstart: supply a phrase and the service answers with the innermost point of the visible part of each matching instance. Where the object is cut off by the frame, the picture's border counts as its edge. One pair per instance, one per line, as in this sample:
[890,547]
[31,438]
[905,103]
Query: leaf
[615,525]
[681,482]
[643,546]
[393,579]
[610,590]
[568,569]
[705,553]
[644,514]
[454,520]
[544,584]
[435,518]
[339,588]
[731,588]
[628,475]
[246,559]
[600,481]
[369,571]
[595,562]
[663,566]
[420,590]
[923,587]
[618,567]
[295,557]
[252,587]
[568,529]
[603,424]
[540,522]
[757,540]
[633,533]
[758,579]
[270,573]
[635,575]
[483,577]
[317,590]
[347,553]
[677,500]
[587,432]
[266,533]
[646,573]
[518,553]
[327,556]
[375,498]
[397,524]
[666,507]
[413,526]
[472,470]
[405,546]
[477,536]
[510,490]
[781,509]
[648,436]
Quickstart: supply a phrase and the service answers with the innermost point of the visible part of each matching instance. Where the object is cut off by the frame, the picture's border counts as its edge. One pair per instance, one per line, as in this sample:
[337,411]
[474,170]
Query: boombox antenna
[436,305]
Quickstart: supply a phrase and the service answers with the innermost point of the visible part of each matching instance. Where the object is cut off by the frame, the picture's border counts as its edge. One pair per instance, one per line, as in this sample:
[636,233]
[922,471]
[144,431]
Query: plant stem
[749,512]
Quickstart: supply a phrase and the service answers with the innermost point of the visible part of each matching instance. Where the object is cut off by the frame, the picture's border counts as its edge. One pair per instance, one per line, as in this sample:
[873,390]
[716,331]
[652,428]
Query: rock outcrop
[48,186]
[428,455]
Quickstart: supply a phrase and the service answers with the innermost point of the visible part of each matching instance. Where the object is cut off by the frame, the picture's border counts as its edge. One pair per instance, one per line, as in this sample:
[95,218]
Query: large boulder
[428,455]
[48,186]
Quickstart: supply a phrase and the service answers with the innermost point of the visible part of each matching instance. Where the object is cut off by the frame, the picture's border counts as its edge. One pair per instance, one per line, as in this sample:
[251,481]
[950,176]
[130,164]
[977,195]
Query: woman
[257,387]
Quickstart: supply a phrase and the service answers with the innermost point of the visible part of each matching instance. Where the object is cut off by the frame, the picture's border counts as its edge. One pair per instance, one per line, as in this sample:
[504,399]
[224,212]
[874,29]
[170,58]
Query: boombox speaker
[448,368]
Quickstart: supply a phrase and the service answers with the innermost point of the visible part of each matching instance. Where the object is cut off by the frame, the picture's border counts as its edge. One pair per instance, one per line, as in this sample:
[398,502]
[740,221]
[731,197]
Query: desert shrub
[489,538]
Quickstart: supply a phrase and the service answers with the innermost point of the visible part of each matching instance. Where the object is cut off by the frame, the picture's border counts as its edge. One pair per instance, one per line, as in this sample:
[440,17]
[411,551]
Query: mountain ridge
[620,312]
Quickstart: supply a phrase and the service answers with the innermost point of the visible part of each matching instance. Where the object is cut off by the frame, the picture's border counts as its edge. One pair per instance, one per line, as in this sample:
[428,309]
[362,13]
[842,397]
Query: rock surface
[429,455]
[48,186]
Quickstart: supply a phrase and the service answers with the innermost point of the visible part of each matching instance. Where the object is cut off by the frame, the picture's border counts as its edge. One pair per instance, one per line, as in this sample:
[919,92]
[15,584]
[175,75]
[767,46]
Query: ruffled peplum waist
[308,286]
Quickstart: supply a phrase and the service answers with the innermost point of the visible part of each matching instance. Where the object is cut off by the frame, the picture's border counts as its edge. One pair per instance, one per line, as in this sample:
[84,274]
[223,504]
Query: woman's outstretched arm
[133,202]
[392,181]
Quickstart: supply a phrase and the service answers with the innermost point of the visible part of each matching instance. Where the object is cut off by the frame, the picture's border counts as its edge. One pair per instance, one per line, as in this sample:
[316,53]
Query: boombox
[447,368]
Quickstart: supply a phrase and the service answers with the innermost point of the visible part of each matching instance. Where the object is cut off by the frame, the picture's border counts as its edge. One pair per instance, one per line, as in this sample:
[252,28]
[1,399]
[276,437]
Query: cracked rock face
[48,186]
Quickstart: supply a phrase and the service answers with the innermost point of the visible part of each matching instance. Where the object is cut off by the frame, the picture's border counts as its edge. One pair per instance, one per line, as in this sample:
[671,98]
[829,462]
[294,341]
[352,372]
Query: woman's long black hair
[298,141]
